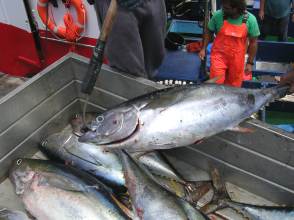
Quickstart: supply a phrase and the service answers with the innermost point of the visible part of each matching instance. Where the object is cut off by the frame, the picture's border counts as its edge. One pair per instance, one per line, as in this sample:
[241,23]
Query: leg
[283,28]
[218,67]
[124,48]
[266,27]
[152,18]
[236,70]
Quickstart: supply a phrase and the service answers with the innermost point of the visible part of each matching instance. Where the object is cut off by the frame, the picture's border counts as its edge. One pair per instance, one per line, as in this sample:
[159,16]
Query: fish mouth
[20,176]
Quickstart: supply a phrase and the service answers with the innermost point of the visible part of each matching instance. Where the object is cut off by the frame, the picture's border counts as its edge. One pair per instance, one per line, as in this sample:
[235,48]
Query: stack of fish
[113,170]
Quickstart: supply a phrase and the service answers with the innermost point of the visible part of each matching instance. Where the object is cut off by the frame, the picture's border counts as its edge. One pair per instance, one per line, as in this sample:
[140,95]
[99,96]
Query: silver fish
[53,191]
[177,116]
[7,214]
[86,156]
[150,200]
[254,212]
[158,165]
[107,167]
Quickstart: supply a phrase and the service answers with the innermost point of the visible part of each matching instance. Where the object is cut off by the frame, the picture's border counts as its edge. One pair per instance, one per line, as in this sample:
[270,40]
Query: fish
[150,200]
[54,191]
[7,214]
[222,200]
[177,116]
[106,166]
[254,212]
[154,160]
[158,165]
[167,176]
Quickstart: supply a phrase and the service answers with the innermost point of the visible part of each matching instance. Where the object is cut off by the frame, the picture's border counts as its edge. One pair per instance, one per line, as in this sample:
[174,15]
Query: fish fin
[60,182]
[216,216]
[196,190]
[83,155]
[137,155]
[29,215]
[199,141]
[213,80]
[242,129]
[125,209]
[220,194]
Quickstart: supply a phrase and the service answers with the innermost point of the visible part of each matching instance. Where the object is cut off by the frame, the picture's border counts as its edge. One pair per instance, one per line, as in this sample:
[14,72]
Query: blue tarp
[185,27]
[286,127]
[179,65]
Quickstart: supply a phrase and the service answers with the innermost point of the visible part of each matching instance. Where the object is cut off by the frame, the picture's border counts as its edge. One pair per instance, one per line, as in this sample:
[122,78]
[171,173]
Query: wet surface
[9,83]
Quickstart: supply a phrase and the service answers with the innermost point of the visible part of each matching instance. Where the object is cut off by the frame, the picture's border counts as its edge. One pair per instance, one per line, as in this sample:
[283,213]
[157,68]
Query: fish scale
[180,116]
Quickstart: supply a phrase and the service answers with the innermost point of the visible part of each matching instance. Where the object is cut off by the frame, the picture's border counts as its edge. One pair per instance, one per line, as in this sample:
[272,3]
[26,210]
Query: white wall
[13,12]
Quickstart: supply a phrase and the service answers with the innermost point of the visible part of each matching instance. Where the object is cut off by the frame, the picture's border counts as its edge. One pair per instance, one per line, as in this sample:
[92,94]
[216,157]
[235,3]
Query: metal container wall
[261,162]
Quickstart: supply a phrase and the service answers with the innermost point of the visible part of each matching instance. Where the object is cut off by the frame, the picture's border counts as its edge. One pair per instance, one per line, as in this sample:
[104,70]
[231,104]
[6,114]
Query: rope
[71,29]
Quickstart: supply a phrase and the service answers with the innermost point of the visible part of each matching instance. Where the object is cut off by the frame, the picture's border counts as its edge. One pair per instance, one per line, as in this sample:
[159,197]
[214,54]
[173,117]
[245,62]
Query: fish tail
[278,91]
[282,90]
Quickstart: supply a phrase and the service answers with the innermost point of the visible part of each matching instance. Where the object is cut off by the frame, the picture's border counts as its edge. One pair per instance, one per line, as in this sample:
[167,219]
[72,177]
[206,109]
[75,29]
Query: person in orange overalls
[236,33]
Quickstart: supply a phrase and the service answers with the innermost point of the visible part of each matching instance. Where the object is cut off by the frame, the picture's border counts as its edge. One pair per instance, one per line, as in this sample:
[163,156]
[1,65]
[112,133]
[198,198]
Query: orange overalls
[228,54]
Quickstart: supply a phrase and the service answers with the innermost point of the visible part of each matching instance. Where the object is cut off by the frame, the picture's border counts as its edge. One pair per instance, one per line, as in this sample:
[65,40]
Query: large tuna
[177,116]
[107,167]
[150,200]
[52,191]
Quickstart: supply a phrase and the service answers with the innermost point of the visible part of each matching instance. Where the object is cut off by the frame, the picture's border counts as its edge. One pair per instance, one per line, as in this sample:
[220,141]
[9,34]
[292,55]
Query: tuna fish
[254,212]
[6,214]
[107,167]
[53,191]
[158,165]
[150,200]
[86,156]
[177,116]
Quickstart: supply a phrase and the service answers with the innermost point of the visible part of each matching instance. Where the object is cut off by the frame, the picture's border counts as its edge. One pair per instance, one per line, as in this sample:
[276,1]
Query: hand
[288,79]
[202,54]
[248,69]
[129,4]
[261,14]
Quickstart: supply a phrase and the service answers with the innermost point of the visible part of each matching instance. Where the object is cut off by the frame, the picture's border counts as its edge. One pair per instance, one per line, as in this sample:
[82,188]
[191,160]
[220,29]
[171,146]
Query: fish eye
[18,162]
[100,119]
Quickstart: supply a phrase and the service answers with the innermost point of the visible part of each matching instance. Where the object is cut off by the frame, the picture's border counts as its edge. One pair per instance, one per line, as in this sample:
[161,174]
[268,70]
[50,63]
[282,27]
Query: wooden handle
[108,21]
[97,57]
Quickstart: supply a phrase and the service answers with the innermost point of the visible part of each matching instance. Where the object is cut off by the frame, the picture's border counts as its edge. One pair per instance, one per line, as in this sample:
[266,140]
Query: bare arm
[261,10]
[207,38]
[252,50]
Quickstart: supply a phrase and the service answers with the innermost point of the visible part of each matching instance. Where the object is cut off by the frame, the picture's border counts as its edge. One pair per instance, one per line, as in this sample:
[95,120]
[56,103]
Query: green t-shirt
[278,8]
[217,22]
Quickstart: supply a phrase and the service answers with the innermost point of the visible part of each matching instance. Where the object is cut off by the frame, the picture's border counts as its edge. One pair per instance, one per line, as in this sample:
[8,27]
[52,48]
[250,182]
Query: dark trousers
[136,42]
[275,26]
